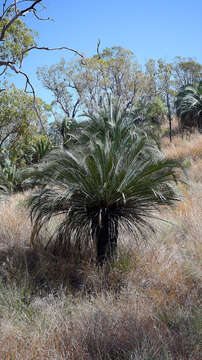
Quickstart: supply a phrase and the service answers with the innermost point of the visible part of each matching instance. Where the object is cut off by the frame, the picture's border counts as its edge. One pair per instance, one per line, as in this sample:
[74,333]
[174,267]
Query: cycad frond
[110,185]
[189,105]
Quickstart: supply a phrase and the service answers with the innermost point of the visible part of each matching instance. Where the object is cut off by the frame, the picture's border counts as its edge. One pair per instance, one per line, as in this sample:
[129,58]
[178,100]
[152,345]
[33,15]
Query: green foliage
[10,177]
[78,86]
[19,122]
[17,39]
[187,72]
[39,147]
[189,106]
[20,139]
[155,111]
[116,181]
[149,113]
[65,132]
[115,73]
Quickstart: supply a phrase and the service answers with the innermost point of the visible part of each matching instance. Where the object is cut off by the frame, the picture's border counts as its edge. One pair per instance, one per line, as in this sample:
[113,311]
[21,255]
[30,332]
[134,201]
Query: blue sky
[150,28]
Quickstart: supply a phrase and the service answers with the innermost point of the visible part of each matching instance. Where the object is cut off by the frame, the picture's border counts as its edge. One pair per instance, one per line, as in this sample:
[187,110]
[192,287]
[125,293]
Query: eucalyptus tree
[85,84]
[17,40]
[62,81]
[186,71]
[15,36]
[19,121]
[114,182]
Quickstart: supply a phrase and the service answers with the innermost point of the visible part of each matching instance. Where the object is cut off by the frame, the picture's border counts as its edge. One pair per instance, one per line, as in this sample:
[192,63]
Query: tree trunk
[105,235]
[169,117]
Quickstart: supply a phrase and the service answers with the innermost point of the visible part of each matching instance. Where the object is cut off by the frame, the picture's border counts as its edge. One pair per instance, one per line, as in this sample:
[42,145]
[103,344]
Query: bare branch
[15,5]
[5,137]
[26,86]
[59,101]
[28,82]
[17,15]
[16,66]
[98,49]
[39,18]
[6,63]
[4,9]
[75,108]
[49,49]
[4,70]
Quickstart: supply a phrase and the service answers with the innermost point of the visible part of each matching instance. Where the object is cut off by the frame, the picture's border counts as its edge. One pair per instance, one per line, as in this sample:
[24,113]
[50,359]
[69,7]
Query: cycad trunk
[105,234]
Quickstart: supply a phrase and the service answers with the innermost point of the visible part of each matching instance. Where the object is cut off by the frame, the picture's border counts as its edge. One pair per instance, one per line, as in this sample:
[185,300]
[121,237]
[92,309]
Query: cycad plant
[189,106]
[10,176]
[40,148]
[115,182]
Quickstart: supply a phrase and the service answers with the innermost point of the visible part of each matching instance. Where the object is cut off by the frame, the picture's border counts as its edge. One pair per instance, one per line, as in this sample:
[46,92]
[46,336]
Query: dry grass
[143,306]
[189,146]
[15,227]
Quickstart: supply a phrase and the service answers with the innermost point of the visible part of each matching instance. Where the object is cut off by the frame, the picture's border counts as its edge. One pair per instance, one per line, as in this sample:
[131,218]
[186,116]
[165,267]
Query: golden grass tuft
[15,226]
[184,147]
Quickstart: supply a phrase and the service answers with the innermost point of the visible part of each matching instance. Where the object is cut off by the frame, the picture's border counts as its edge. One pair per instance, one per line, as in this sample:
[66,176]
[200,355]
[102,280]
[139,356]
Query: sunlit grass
[184,147]
[145,305]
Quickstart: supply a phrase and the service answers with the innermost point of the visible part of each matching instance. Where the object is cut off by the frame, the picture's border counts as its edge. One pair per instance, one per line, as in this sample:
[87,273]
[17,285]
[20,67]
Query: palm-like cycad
[40,148]
[117,181]
[10,177]
[189,106]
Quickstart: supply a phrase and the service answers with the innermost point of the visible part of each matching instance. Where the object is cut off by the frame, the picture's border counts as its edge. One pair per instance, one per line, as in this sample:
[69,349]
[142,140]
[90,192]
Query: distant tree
[186,72]
[19,121]
[166,89]
[119,75]
[162,85]
[166,79]
[81,85]
[65,86]
[151,113]
[152,79]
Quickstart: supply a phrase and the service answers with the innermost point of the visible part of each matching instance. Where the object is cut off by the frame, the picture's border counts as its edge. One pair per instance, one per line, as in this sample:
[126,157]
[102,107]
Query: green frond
[118,179]
[189,104]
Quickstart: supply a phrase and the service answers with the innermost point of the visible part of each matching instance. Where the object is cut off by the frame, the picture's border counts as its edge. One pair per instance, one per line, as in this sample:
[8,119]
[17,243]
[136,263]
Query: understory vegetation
[145,304]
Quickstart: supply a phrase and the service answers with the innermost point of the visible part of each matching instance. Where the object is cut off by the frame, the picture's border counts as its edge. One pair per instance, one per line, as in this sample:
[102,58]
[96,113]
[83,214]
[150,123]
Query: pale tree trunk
[169,117]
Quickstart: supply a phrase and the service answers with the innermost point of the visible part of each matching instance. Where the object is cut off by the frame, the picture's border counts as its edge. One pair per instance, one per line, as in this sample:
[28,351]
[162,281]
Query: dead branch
[49,49]
[16,16]
[4,70]
[39,18]
[98,49]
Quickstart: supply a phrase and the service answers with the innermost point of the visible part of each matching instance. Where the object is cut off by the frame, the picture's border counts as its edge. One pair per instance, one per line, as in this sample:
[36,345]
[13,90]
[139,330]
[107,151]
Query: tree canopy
[79,86]
[19,121]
